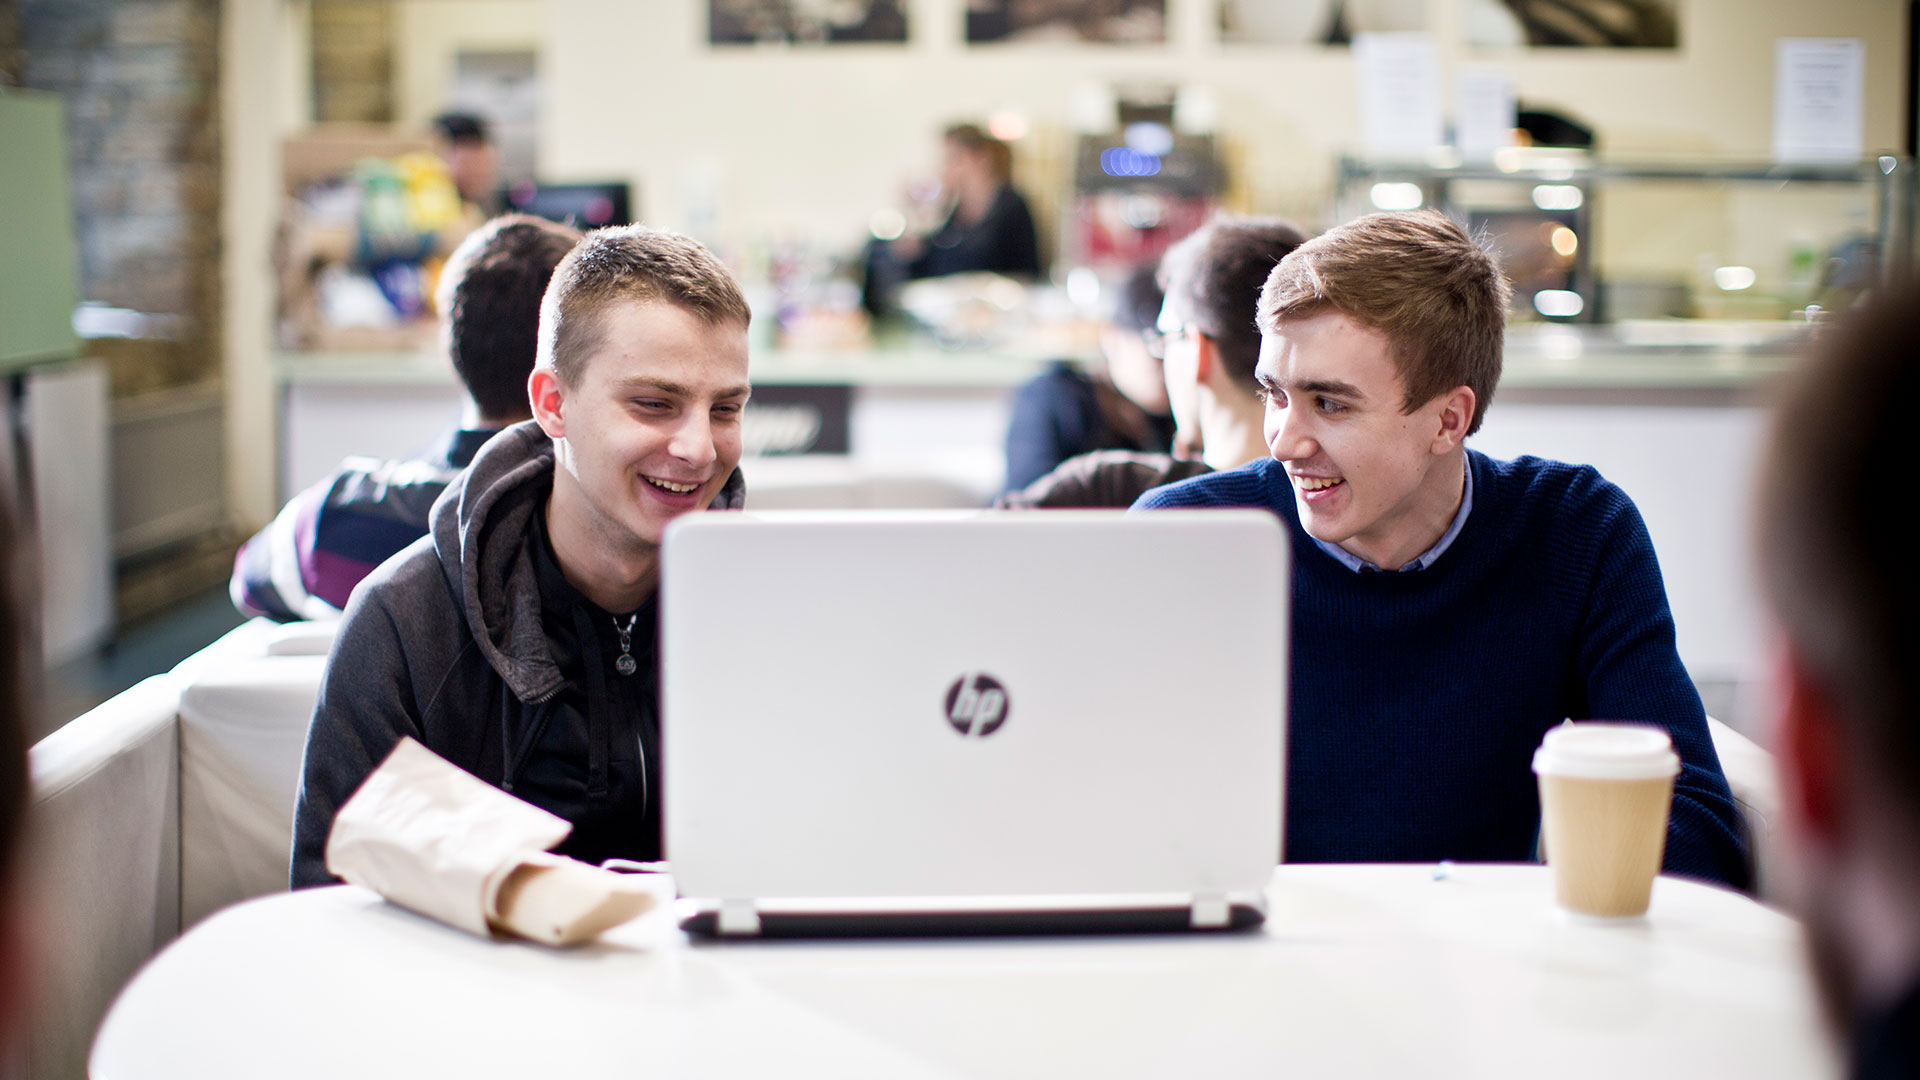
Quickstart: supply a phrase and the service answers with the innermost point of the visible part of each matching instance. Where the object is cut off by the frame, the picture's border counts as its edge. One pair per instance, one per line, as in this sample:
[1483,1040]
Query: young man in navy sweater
[1447,608]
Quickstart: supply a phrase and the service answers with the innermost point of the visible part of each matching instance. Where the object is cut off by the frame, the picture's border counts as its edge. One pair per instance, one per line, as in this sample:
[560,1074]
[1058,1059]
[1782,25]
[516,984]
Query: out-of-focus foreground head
[1838,568]
[18,674]
[489,299]
[1440,298]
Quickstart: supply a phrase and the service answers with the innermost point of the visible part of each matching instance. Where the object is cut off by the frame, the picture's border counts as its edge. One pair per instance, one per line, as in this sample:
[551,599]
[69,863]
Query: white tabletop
[1360,971]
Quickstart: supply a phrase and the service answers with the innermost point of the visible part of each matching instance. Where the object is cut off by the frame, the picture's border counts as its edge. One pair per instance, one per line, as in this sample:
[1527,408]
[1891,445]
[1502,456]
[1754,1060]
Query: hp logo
[977,704]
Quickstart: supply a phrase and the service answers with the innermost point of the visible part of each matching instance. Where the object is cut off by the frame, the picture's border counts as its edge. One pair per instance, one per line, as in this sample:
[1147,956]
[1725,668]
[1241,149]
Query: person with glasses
[1203,345]
[1120,405]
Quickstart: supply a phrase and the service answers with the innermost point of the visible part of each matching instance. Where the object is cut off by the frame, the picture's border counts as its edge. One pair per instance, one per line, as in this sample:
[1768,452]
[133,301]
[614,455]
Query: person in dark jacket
[1119,405]
[1841,580]
[988,226]
[517,639]
[307,560]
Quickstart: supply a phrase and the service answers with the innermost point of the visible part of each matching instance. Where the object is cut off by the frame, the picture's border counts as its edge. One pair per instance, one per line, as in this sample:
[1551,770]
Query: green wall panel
[39,269]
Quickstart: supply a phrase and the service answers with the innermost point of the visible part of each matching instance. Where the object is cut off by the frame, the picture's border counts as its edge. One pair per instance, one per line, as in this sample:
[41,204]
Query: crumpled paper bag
[434,839]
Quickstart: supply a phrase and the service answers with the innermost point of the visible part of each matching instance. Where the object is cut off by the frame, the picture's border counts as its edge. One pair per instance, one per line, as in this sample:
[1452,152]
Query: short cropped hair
[631,263]
[1214,277]
[1835,551]
[489,299]
[1439,297]
[461,127]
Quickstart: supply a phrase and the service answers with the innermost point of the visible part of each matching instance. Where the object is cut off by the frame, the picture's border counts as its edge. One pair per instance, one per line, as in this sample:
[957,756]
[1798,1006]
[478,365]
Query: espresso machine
[1138,186]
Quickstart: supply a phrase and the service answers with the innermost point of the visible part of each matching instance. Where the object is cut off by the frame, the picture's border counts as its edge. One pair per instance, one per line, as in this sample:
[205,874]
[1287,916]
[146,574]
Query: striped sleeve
[305,564]
[269,575]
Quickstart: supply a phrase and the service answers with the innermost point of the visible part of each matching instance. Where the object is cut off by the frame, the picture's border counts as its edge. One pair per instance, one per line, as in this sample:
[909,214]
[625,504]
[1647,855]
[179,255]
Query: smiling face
[650,428]
[1381,483]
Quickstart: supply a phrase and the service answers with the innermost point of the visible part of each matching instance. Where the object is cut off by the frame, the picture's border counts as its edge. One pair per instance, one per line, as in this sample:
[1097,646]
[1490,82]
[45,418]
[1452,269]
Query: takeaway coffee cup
[1604,794]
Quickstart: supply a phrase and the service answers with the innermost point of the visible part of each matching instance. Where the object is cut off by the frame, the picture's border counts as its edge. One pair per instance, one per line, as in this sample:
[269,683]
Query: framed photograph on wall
[1099,22]
[808,22]
[1605,24]
[1316,22]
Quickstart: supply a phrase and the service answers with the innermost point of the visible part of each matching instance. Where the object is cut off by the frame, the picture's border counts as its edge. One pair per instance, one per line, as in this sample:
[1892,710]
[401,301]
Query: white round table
[1359,971]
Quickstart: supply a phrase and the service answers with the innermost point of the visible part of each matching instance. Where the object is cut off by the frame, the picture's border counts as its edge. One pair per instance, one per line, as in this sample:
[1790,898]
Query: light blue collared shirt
[1357,564]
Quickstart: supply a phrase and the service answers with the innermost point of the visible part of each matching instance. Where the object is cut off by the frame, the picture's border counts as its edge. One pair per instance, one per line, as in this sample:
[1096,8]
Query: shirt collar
[1359,565]
[457,452]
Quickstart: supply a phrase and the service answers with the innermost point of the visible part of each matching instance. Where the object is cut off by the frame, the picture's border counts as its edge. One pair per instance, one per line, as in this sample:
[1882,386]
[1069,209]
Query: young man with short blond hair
[1447,608]
[517,639]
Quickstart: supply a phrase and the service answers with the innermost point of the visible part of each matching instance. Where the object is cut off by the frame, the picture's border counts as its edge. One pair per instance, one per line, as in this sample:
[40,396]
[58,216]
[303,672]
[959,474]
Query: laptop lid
[973,704]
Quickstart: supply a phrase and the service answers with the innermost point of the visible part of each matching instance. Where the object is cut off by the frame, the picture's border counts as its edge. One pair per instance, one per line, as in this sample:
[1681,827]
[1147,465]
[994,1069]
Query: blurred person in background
[1121,405]
[19,667]
[464,143]
[305,563]
[988,225]
[1204,333]
[1208,345]
[1448,609]
[1844,589]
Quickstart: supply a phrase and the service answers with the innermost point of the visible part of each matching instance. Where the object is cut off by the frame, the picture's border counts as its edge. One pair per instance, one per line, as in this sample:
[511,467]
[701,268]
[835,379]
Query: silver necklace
[626,664]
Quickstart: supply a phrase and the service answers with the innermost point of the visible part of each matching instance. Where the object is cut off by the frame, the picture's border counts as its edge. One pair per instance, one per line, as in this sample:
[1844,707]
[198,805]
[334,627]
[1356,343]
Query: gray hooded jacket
[443,643]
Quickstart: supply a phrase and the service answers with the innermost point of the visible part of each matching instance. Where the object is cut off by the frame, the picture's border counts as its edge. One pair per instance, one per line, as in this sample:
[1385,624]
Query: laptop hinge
[1210,911]
[738,918]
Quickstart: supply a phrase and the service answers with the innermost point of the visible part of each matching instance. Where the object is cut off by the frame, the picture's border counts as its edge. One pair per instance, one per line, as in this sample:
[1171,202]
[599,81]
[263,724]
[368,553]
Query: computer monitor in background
[584,206]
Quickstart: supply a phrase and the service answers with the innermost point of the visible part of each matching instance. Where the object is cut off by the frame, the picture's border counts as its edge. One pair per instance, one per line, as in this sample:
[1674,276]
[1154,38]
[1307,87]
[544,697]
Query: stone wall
[140,79]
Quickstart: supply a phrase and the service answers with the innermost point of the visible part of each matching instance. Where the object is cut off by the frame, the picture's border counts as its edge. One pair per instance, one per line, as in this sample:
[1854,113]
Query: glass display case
[1602,239]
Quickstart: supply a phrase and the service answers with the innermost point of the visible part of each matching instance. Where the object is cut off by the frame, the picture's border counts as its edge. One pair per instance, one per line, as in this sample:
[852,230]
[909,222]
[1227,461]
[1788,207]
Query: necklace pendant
[625,664]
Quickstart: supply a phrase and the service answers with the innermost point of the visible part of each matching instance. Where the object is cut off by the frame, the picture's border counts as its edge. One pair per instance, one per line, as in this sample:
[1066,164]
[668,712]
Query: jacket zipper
[543,713]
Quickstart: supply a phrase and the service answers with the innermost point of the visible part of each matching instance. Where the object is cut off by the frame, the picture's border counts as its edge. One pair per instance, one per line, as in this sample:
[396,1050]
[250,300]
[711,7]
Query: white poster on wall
[1484,113]
[1819,91]
[1399,74]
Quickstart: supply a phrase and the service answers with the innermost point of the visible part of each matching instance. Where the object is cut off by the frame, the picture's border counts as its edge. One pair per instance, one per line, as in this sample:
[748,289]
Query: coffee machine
[1141,184]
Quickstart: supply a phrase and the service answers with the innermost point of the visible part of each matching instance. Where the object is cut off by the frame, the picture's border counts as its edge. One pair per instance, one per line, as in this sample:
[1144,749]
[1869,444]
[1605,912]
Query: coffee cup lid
[1597,751]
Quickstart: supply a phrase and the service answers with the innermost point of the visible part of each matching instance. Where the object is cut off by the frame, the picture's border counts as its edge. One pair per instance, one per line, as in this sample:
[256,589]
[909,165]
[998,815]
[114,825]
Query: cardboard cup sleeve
[441,842]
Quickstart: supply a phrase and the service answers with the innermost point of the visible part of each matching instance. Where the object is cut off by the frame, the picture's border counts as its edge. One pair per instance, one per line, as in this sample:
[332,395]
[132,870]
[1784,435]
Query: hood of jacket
[482,526]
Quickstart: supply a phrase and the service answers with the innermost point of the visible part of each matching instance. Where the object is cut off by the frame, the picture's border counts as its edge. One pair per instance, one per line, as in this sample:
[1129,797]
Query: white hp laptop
[939,722]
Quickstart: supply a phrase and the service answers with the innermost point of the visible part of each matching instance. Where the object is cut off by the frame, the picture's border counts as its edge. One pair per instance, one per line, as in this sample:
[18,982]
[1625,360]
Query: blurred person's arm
[1103,479]
[1049,425]
[306,562]
[272,571]
[1630,668]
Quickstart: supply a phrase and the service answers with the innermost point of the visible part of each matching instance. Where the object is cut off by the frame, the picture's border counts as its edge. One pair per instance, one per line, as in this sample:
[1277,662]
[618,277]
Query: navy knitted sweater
[1417,699]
